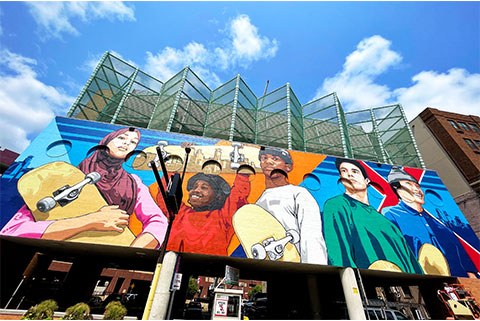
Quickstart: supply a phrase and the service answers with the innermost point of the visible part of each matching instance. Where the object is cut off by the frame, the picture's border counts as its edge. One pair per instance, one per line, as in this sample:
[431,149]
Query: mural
[90,182]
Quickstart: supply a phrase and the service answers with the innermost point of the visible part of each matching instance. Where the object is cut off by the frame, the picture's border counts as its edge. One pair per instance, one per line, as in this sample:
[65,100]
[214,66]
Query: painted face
[354,175]
[270,162]
[411,192]
[202,194]
[120,146]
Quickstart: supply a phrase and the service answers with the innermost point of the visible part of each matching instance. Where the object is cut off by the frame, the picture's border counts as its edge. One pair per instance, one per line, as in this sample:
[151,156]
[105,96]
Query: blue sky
[418,54]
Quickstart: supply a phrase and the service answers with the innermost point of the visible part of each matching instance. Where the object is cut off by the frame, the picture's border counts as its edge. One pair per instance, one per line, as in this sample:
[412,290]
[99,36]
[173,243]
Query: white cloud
[242,47]
[55,18]
[355,84]
[93,59]
[27,104]
[456,90]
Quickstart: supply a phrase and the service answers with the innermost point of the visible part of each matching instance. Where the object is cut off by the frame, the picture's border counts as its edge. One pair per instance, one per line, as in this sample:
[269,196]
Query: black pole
[187,152]
[159,181]
[162,164]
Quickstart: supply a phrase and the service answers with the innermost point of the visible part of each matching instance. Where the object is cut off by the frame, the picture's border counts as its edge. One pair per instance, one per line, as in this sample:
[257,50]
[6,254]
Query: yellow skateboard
[433,261]
[262,236]
[60,190]
[229,156]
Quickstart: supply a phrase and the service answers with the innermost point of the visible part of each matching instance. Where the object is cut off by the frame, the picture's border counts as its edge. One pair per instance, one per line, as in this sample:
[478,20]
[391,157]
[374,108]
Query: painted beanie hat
[397,174]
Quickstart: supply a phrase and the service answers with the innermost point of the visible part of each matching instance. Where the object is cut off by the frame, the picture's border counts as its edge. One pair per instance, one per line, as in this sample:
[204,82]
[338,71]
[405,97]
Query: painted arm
[312,243]
[238,196]
[337,233]
[153,219]
[23,224]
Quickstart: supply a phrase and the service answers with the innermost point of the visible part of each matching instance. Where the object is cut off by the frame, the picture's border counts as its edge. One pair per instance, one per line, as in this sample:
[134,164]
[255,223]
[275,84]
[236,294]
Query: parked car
[193,311]
[384,314]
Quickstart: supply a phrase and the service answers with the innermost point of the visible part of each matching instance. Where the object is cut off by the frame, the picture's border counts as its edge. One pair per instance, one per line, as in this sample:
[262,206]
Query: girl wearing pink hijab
[124,192]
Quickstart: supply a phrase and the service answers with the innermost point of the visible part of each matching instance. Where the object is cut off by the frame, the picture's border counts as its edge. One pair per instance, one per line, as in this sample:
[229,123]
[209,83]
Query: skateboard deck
[230,157]
[44,180]
[253,225]
[432,260]
[384,265]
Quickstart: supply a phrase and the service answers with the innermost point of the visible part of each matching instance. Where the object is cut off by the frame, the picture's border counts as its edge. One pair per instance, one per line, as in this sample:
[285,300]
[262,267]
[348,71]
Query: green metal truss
[120,93]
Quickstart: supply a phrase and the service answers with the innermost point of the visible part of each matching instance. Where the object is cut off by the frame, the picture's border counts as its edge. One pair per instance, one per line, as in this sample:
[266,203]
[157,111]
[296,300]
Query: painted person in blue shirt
[436,247]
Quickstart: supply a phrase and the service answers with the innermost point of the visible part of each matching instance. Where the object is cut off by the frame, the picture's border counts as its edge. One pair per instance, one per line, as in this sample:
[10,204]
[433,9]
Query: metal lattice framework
[120,93]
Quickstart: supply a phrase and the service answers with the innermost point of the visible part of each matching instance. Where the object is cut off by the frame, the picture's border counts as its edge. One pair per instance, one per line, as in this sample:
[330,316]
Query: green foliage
[192,287]
[42,311]
[114,311]
[256,289]
[79,311]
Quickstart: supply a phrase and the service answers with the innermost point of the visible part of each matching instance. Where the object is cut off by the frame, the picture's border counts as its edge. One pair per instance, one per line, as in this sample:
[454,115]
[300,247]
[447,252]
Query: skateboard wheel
[46,204]
[294,235]
[279,249]
[258,252]
[94,177]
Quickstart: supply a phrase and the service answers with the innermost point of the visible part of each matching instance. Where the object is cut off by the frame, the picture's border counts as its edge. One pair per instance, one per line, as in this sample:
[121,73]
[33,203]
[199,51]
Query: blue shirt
[420,228]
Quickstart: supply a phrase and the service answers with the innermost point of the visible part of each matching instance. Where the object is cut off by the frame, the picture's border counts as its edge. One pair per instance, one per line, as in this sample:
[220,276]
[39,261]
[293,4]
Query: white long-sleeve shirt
[295,208]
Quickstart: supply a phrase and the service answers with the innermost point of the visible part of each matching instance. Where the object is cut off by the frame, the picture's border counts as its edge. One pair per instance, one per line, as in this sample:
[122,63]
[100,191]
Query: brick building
[450,145]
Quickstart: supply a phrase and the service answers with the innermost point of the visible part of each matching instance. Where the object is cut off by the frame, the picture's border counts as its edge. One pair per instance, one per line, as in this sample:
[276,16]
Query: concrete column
[314,297]
[352,294]
[162,291]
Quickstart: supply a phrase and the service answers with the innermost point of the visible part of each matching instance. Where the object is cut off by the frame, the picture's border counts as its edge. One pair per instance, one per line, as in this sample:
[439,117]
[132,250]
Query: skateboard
[433,261]
[384,265]
[263,237]
[59,190]
[228,157]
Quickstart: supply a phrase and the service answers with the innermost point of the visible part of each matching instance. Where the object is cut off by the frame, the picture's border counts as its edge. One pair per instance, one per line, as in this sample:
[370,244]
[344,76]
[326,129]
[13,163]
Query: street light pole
[173,198]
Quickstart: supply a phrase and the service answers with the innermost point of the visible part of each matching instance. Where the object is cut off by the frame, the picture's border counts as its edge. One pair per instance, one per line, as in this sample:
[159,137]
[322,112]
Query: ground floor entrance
[34,270]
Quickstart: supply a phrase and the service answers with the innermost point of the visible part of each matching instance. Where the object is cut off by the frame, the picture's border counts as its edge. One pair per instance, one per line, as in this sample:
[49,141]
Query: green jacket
[357,235]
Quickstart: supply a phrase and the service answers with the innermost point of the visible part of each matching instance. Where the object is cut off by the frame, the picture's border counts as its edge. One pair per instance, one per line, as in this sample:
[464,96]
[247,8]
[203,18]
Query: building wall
[453,141]
[437,159]
[245,201]
[445,150]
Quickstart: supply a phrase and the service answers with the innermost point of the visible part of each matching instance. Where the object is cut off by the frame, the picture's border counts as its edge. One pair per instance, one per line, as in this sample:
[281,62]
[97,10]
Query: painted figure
[356,234]
[124,193]
[206,227]
[436,247]
[293,206]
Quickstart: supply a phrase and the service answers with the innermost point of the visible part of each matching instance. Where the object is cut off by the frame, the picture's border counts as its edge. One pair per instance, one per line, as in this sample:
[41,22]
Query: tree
[79,311]
[256,289]
[114,311]
[42,311]
[192,287]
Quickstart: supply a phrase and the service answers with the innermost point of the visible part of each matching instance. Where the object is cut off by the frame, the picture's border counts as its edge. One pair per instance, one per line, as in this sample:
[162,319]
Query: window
[400,316]
[463,125]
[475,128]
[454,124]
[471,144]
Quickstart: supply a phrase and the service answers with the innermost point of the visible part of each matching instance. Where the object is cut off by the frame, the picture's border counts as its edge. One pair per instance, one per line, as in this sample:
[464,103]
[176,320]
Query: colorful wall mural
[92,182]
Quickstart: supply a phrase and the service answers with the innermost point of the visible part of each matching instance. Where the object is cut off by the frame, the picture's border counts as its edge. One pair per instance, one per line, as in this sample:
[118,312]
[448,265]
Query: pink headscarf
[116,185]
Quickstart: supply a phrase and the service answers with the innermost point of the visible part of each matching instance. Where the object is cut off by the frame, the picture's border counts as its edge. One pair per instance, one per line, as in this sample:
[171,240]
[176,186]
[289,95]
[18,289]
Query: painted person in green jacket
[356,234]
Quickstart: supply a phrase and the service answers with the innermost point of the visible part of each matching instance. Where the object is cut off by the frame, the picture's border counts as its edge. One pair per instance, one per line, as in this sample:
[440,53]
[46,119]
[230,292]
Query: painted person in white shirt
[293,206]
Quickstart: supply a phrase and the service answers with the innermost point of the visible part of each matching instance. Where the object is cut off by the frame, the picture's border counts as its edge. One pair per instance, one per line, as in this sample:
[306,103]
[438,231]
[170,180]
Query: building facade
[305,198]
[450,145]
